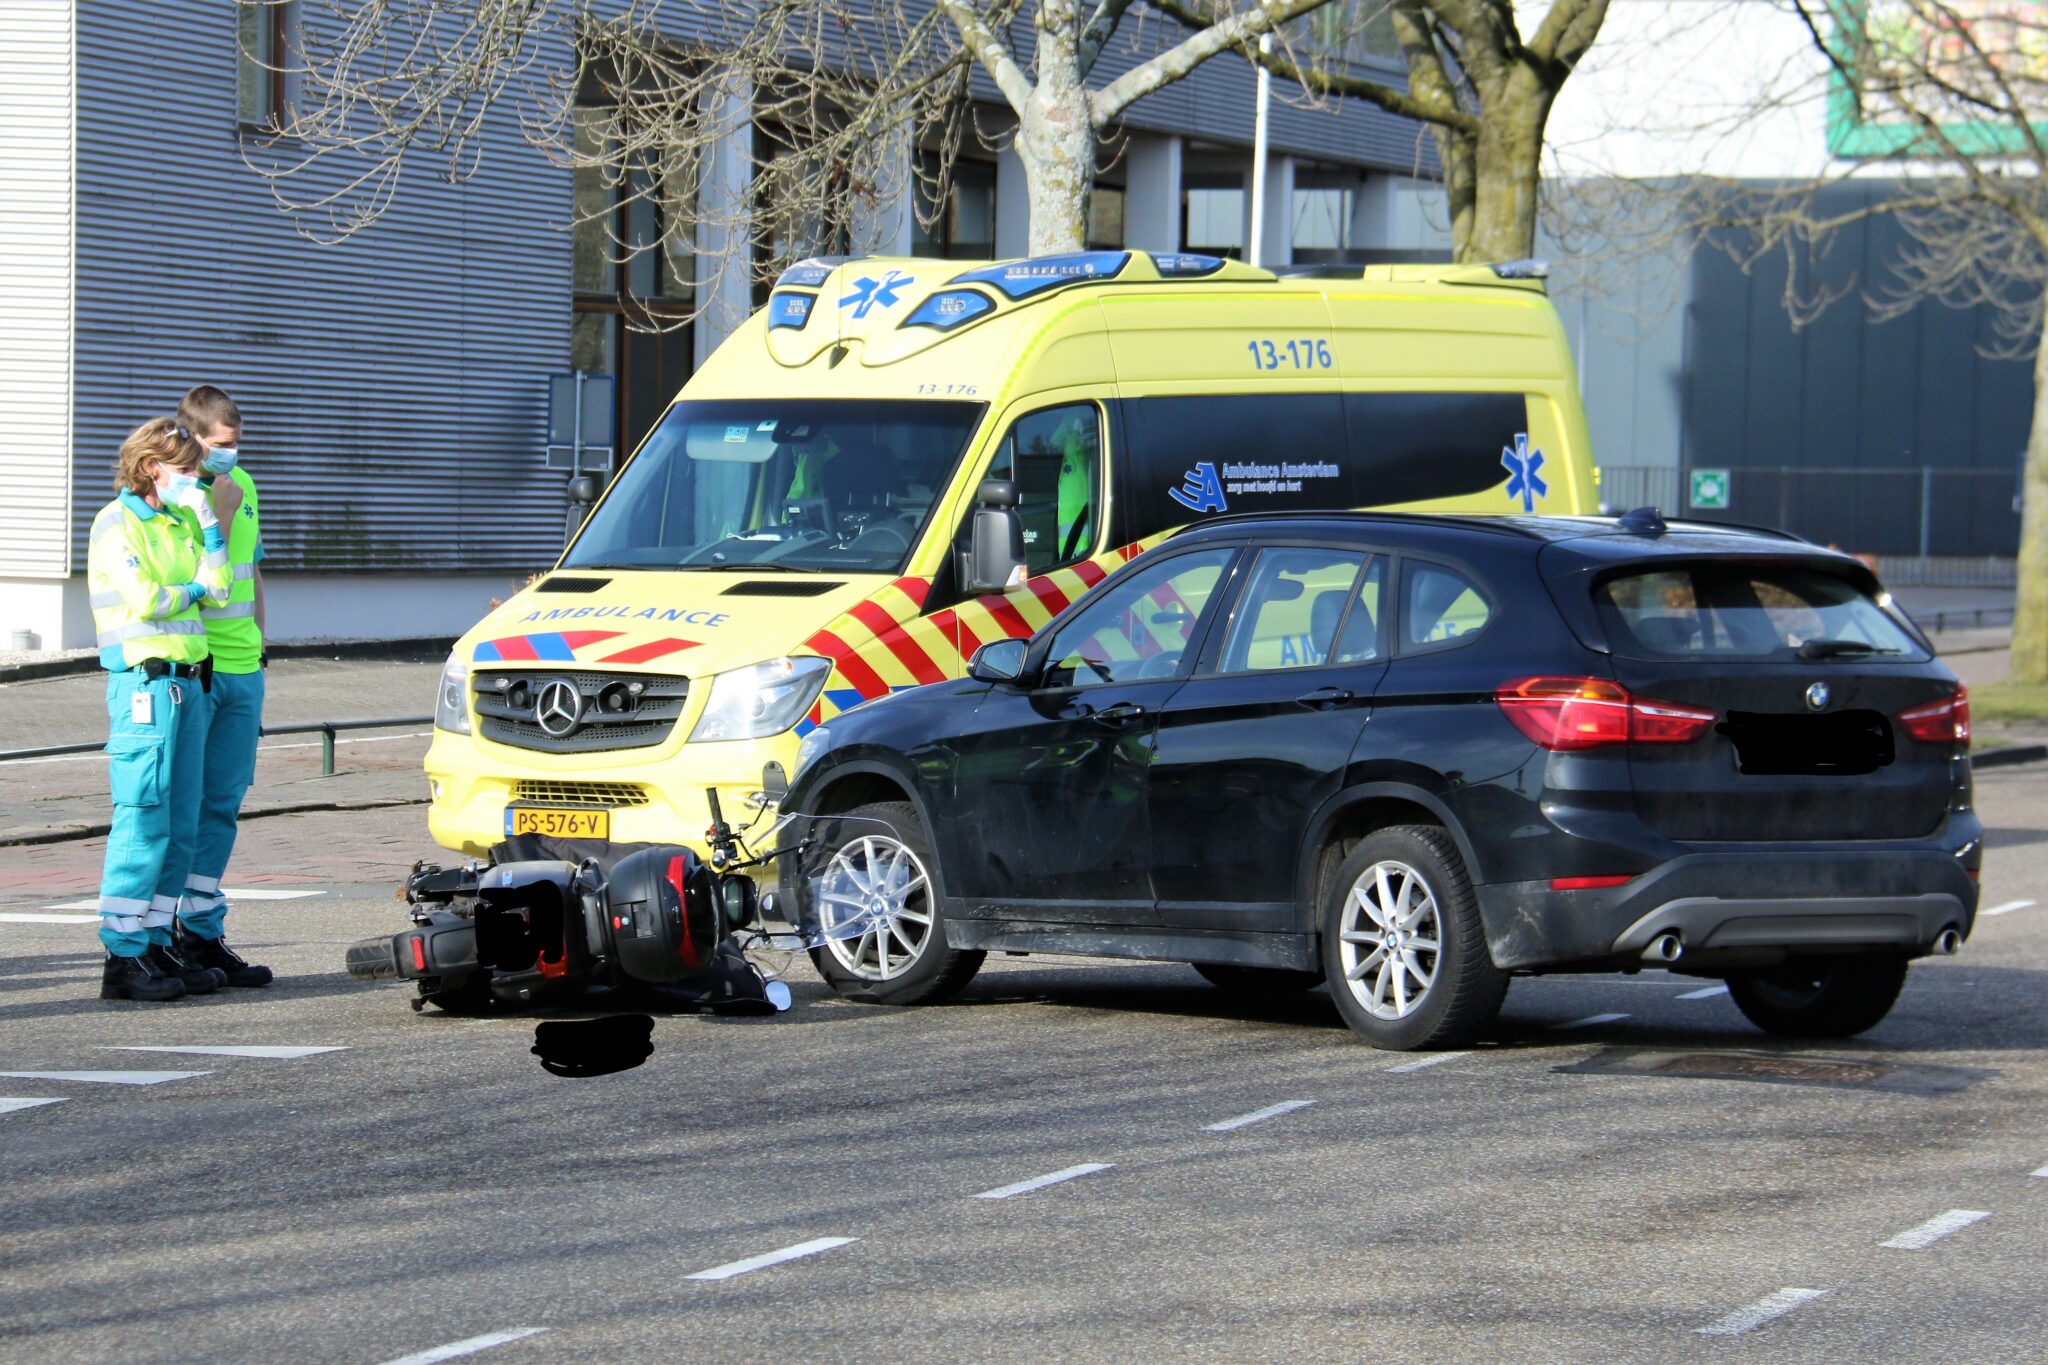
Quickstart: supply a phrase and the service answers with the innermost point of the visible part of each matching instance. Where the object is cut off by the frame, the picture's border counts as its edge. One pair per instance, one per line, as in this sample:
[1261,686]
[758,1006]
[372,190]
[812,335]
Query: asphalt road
[1543,1196]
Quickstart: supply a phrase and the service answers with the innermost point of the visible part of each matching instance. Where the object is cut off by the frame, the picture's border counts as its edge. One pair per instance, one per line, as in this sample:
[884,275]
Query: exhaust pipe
[1665,948]
[1948,942]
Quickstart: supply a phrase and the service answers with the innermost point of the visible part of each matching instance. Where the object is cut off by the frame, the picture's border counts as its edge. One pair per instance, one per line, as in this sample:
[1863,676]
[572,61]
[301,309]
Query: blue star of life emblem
[869,292]
[1522,462]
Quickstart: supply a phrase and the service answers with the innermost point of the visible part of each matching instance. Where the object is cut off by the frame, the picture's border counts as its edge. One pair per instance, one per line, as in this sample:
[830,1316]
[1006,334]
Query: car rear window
[1746,611]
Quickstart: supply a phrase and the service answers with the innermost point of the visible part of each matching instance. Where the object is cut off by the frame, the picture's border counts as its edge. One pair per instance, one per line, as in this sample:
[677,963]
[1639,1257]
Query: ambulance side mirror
[995,547]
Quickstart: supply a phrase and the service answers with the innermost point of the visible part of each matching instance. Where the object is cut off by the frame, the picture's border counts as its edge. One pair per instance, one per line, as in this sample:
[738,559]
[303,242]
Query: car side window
[1440,606]
[1137,628]
[1291,609]
[1054,457]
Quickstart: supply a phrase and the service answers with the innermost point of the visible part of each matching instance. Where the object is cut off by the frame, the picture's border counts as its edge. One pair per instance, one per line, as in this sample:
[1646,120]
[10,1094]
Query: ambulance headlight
[766,699]
[451,703]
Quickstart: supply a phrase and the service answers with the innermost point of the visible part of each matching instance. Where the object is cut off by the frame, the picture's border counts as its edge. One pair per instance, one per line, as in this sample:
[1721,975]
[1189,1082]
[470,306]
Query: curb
[2011,754]
[62,834]
[411,649]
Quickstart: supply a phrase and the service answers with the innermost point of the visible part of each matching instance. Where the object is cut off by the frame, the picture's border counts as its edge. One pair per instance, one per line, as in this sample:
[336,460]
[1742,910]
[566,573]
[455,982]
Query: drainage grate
[1780,1068]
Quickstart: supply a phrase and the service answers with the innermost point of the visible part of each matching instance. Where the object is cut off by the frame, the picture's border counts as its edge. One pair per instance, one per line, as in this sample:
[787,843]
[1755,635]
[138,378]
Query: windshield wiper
[1836,649]
[751,566]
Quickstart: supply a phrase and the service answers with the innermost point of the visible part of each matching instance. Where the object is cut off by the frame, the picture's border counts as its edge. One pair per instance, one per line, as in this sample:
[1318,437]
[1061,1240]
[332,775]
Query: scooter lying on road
[649,921]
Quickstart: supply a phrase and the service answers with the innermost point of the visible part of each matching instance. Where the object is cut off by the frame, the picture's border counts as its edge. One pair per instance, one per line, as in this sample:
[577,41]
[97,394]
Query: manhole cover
[1780,1068]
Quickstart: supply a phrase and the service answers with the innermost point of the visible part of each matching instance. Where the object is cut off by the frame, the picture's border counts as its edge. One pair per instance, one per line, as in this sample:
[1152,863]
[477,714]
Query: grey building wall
[394,384]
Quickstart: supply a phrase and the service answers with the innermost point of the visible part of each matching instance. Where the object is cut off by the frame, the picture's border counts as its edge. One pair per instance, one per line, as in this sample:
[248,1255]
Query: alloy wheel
[1389,939]
[874,907]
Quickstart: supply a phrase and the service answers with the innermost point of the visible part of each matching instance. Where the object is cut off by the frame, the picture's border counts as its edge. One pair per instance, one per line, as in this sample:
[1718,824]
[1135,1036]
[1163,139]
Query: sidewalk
[58,799]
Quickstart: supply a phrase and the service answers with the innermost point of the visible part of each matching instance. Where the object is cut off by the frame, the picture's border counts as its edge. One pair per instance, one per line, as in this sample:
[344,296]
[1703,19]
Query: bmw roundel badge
[1817,697]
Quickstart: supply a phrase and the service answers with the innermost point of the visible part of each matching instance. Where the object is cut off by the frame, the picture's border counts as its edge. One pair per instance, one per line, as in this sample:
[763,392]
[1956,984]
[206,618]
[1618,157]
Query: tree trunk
[2030,615]
[1056,135]
[1507,172]
[1057,146]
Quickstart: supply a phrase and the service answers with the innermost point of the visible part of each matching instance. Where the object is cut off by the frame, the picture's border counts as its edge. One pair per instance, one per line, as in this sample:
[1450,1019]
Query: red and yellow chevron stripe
[886,643]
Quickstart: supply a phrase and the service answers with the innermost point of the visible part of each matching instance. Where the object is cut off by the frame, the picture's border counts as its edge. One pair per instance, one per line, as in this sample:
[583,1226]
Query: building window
[1106,218]
[1213,214]
[965,229]
[262,30]
[632,267]
[1323,205]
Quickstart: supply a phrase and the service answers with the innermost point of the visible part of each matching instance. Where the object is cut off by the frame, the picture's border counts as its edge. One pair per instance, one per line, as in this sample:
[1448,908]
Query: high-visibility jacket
[231,631]
[138,562]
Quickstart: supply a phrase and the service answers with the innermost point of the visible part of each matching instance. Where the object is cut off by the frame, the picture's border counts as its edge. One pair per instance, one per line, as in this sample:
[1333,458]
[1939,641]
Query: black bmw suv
[1412,757]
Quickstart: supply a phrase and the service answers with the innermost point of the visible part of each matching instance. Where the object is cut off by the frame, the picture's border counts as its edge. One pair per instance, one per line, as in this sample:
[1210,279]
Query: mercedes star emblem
[1817,697]
[560,709]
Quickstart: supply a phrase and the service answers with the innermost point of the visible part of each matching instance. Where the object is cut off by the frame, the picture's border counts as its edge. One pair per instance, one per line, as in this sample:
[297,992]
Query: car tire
[1824,998]
[1408,885]
[1258,981]
[882,848]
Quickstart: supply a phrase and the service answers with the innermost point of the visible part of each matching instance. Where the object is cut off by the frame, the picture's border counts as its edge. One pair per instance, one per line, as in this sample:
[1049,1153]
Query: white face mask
[176,484]
[220,460]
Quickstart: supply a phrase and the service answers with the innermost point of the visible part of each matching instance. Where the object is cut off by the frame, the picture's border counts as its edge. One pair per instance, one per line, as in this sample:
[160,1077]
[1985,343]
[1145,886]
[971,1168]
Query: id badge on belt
[142,707]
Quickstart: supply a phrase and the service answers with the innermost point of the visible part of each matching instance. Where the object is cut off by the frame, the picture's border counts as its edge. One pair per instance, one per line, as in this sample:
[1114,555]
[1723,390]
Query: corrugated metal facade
[36,135]
[389,382]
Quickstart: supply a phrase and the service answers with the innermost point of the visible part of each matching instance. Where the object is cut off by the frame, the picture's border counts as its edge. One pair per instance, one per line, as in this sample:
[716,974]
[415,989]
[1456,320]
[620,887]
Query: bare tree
[648,94]
[1482,88]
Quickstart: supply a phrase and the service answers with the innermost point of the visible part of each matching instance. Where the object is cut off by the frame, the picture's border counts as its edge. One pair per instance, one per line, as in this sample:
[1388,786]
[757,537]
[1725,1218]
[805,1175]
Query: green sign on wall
[1709,492]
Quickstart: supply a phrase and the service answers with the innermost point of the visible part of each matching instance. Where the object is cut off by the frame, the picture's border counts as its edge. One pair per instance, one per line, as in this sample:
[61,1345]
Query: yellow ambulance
[897,461]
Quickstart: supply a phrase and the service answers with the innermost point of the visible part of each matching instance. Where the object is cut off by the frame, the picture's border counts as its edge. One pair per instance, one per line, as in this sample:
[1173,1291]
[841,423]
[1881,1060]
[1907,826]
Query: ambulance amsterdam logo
[1201,490]
[1522,462]
[559,709]
[869,292]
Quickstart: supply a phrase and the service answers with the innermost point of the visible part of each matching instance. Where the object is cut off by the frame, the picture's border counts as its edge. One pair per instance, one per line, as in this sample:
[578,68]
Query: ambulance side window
[1054,456]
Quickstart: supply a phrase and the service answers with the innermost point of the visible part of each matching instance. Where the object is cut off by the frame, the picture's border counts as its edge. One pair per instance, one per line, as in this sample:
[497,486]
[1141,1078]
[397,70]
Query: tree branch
[1120,94]
[990,52]
[1320,82]
[1100,28]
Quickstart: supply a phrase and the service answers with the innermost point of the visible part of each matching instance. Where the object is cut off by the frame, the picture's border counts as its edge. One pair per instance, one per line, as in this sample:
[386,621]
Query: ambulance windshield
[802,485]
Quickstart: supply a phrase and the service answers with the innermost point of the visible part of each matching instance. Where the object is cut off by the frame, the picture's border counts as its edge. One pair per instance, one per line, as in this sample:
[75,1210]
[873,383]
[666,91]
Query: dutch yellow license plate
[558,822]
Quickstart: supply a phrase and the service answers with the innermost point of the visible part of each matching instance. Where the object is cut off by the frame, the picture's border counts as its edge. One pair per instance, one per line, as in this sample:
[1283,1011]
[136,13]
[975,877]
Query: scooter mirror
[778,995]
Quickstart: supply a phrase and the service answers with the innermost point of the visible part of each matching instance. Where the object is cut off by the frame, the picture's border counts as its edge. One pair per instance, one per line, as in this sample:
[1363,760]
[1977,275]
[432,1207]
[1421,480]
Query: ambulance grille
[543,792]
[508,699]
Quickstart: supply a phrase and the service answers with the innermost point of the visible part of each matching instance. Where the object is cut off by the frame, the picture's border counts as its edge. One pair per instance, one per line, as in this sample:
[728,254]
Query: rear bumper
[1740,908]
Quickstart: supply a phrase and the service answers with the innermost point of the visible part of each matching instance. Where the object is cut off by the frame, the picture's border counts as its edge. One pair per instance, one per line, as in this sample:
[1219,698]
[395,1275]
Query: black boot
[215,953]
[138,978]
[198,980]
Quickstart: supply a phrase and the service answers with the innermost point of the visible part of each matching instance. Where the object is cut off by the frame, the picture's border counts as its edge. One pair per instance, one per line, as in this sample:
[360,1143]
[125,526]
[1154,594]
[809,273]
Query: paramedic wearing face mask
[234,634]
[155,552]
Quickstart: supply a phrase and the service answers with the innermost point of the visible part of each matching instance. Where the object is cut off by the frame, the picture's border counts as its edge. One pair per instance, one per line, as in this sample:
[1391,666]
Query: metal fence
[1928,514]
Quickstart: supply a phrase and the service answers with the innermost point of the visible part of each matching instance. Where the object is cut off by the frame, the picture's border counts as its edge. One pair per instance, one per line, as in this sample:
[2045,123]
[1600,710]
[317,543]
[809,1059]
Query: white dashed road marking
[768,1258]
[284,1053]
[1428,1061]
[24,918]
[1271,1111]
[8,1106]
[2043,1172]
[109,1077]
[1591,1020]
[1762,1311]
[1706,993]
[1041,1181]
[1934,1229]
[2009,907]
[467,1347]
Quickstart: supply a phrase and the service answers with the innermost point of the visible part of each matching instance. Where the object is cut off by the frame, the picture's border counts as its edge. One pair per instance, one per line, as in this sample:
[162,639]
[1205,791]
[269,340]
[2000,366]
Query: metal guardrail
[1935,622]
[326,729]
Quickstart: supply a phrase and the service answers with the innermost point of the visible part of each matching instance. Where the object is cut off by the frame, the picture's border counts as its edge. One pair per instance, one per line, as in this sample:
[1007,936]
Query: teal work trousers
[231,735]
[155,751]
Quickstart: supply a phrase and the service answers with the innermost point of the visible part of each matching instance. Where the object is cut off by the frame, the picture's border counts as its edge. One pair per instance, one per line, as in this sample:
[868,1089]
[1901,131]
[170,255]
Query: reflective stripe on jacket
[231,631]
[137,564]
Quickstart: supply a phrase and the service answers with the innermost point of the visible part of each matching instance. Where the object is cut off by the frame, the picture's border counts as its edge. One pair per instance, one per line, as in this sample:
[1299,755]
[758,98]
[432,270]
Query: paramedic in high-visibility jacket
[155,551]
[234,633]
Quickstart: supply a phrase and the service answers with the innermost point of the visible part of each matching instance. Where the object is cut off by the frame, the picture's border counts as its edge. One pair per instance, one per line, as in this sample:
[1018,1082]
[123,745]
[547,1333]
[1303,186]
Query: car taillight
[1585,713]
[1942,722]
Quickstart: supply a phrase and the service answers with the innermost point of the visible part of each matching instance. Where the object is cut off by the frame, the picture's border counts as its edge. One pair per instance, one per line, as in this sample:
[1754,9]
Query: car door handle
[1324,698]
[1123,713]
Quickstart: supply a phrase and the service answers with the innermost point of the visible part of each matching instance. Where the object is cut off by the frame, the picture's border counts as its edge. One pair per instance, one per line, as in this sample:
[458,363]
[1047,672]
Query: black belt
[165,668]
